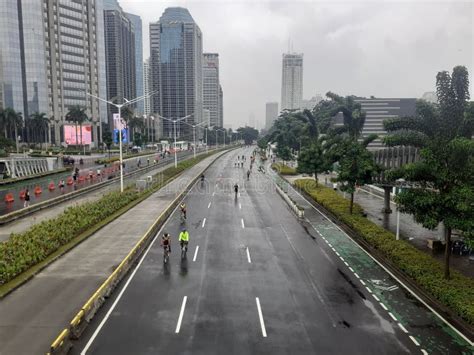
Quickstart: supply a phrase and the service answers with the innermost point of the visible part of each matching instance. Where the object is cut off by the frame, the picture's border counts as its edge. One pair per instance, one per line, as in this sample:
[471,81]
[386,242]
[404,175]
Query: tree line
[329,137]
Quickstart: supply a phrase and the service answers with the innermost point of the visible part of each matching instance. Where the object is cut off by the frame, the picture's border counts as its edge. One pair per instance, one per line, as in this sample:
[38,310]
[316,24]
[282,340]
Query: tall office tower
[120,55]
[221,107]
[271,114]
[210,79]
[292,81]
[137,27]
[146,86]
[176,70]
[50,55]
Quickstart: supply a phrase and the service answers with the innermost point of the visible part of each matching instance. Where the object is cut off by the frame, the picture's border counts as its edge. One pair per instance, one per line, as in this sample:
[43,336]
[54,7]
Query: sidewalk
[409,229]
[32,315]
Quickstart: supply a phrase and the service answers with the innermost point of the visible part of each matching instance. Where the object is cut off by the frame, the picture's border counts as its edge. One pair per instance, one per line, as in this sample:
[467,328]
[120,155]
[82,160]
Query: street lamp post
[119,107]
[194,134]
[174,126]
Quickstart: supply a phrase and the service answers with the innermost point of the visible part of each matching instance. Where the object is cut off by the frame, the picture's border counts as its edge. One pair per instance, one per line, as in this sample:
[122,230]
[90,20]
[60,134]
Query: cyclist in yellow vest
[184,238]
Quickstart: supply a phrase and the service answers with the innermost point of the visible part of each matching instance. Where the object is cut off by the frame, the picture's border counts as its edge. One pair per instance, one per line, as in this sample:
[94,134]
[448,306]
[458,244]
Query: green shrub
[284,169]
[24,250]
[456,293]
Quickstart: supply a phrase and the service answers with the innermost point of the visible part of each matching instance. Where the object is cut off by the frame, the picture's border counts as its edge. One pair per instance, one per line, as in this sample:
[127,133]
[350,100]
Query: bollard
[9,198]
[22,194]
[69,180]
[51,186]
[81,178]
[38,190]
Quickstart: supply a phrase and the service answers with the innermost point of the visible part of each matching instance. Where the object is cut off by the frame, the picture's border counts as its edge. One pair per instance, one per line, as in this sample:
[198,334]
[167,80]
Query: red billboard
[73,135]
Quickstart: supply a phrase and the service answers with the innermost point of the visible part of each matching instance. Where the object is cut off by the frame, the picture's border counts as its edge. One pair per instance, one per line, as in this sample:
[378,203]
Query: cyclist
[248,174]
[202,177]
[166,242]
[236,189]
[183,209]
[184,239]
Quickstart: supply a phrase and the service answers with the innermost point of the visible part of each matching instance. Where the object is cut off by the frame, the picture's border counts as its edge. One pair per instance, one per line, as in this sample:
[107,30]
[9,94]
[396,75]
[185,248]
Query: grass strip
[26,253]
[284,169]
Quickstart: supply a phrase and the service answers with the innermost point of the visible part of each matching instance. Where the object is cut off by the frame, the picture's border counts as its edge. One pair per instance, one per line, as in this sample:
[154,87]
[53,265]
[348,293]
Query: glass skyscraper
[137,27]
[176,69]
[50,57]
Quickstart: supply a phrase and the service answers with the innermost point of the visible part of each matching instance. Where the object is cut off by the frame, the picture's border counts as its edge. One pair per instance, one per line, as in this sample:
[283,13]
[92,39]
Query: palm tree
[3,122]
[40,124]
[14,121]
[77,114]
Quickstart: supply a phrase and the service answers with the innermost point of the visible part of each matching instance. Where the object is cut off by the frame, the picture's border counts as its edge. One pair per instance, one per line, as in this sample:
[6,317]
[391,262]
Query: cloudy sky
[380,48]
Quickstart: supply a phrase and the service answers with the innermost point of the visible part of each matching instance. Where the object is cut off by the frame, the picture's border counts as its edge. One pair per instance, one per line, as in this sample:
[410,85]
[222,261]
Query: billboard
[83,137]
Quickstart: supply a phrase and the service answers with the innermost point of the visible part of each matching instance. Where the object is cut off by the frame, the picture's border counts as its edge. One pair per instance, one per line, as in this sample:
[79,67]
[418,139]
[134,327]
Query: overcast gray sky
[380,48]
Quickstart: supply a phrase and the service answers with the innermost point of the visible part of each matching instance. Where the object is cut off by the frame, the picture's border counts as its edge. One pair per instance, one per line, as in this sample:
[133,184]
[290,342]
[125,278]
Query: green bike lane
[425,328]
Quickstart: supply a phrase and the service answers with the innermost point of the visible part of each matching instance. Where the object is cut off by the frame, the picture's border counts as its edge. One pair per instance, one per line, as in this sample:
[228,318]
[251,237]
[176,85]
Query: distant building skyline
[176,69]
[271,114]
[291,81]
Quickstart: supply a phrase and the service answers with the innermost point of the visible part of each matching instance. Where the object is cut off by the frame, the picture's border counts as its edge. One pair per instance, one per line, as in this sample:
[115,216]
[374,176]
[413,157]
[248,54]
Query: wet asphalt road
[257,284]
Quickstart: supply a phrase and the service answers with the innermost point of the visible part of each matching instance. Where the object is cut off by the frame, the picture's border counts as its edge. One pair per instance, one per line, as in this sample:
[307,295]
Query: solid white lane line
[262,323]
[242,220]
[203,222]
[383,306]
[248,256]
[209,205]
[196,252]
[392,316]
[414,340]
[181,313]
[402,328]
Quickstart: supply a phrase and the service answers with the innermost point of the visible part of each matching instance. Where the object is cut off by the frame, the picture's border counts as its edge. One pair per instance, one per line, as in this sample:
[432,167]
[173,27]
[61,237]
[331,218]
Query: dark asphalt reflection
[310,304]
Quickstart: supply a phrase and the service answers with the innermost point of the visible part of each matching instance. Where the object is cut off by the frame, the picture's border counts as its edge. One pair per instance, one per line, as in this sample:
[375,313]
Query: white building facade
[292,81]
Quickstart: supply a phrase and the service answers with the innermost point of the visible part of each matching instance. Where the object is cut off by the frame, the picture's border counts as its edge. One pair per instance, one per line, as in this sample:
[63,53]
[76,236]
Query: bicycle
[183,217]
[184,250]
[166,254]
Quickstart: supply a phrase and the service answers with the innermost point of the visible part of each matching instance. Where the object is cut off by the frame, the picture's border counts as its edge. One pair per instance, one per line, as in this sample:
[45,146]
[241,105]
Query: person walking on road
[248,175]
[27,198]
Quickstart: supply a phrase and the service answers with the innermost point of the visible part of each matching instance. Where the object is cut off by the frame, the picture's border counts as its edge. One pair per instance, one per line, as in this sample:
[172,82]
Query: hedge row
[284,169]
[456,293]
[27,249]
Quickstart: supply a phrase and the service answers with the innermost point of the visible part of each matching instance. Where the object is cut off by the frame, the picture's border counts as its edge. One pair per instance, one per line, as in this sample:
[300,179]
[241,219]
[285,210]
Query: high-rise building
[271,114]
[146,87]
[51,54]
[210,79]
[378,110]
[137,27]
[120,55]
[176,69]
[221,107]
[292,81]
